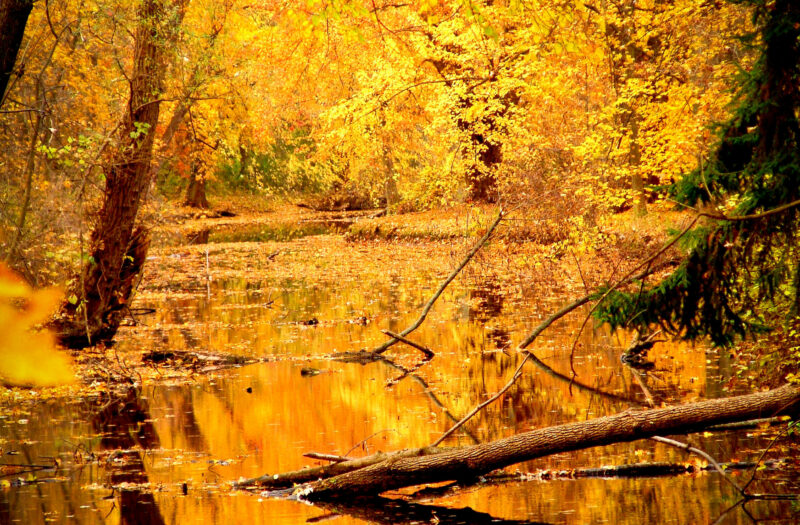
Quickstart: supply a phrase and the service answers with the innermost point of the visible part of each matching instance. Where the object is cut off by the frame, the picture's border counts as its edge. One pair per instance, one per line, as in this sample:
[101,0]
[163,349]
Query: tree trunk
[635,161]
[196,192]
[390,190]
[480,174]
[118,248]
[13,18]
[631,425]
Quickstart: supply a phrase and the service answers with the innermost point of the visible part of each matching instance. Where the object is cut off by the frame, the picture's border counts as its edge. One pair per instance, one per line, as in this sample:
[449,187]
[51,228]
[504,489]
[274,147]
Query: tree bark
[117,249]
[631,425]
[13,19]
[196,192]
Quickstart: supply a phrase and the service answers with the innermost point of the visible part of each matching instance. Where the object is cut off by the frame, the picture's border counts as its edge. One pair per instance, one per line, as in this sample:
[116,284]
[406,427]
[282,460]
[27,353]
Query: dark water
[166,453]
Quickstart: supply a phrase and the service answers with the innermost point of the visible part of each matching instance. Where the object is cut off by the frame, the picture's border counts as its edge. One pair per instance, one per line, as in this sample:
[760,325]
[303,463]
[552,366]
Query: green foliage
[737,271]
[792,361]
[281,169]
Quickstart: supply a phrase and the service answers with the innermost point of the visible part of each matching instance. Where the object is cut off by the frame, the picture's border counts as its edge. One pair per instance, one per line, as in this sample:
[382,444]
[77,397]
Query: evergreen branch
[752,216]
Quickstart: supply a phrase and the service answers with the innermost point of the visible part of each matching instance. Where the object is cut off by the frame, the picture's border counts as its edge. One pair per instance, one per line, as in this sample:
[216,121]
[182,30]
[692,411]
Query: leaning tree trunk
[13,18]
[117,249]
[428,466]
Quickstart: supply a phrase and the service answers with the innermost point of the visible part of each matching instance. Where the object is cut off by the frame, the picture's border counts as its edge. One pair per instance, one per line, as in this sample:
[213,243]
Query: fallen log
[468,462]
[308,474]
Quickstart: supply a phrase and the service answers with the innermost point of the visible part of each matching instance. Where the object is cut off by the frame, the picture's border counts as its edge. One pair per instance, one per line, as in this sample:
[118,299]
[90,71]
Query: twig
[580,271]
[428,352]
[518,372]
[764,453]
[385,346]
[28,465]
[704,455]
[528,355]
[367,439]
[647,394]
[326,457]
[753,423]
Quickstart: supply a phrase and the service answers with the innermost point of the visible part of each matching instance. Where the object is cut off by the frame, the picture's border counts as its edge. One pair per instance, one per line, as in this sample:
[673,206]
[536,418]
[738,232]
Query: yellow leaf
[27,357]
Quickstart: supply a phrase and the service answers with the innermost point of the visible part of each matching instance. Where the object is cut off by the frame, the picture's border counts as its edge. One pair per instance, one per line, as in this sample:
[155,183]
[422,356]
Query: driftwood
[413,468]
[427,351]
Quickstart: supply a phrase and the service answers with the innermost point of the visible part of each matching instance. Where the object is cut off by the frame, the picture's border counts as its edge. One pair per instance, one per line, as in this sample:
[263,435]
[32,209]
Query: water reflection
[486,303]
[383,510]
[237,299]
[126,432]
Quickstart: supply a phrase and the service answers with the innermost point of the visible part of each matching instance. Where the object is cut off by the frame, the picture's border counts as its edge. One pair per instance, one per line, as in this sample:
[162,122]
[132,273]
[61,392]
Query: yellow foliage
[28,358]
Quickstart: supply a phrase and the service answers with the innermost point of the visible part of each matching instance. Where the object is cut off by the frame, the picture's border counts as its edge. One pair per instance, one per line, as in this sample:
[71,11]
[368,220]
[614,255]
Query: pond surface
[167,453]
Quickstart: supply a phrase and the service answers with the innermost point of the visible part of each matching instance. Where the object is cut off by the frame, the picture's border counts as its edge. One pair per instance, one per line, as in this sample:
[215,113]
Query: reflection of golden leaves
[27,357]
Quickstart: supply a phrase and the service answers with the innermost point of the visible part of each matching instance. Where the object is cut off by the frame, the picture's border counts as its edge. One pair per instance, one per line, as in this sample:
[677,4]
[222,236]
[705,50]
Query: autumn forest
[399,262]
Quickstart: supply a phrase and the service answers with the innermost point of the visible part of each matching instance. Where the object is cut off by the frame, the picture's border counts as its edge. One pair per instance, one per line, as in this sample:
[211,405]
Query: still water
[166,453]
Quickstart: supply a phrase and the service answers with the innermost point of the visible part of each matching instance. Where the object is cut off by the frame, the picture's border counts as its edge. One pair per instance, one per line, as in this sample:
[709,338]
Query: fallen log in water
[414,468]
[308,474]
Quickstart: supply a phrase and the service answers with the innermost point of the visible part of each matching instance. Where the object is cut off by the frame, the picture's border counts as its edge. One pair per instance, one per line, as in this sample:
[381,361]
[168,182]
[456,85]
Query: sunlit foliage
[27,357]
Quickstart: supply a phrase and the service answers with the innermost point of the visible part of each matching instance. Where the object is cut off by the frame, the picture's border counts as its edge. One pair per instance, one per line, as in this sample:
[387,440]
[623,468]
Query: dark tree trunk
[487,152]
[196,192]
[117,247]
[631,425]
[480,173]
[13,18]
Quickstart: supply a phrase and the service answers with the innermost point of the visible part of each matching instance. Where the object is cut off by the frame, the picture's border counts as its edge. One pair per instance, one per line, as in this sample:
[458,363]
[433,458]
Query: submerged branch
[427,351]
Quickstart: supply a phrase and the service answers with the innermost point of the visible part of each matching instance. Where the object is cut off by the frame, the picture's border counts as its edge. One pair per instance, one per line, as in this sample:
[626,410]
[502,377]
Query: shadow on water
[126,431]
[390,511]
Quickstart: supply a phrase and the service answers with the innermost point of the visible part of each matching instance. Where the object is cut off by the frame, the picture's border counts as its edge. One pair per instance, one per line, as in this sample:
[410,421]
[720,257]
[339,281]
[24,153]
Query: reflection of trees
[425,388]
[181,406]
[383,510]
[581,386]
[486,302]
[123,423]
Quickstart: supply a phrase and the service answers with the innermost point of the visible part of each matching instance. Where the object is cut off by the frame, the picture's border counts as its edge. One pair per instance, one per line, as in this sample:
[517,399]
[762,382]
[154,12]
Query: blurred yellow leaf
[27,357]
